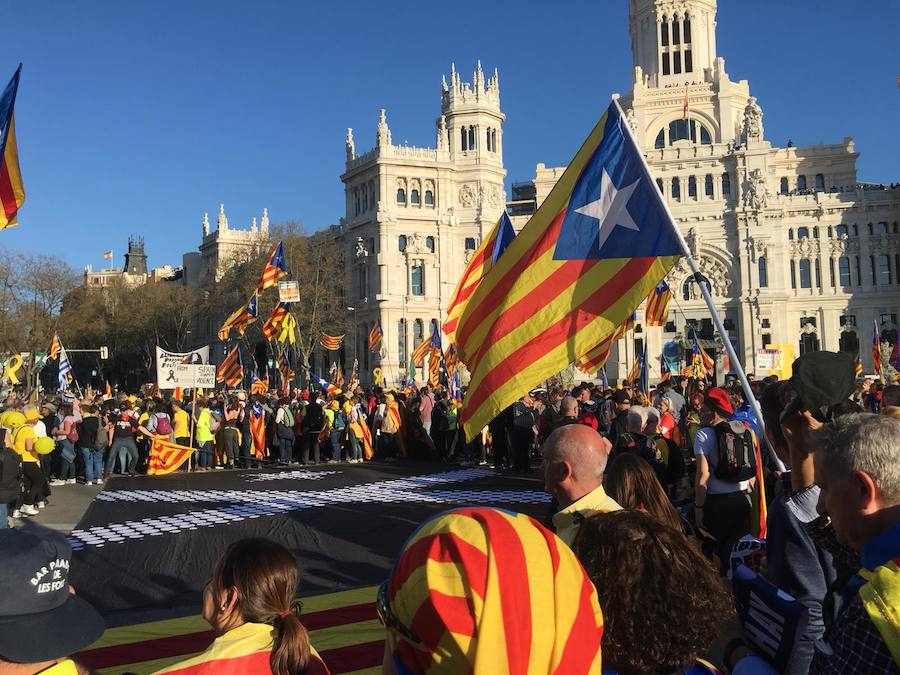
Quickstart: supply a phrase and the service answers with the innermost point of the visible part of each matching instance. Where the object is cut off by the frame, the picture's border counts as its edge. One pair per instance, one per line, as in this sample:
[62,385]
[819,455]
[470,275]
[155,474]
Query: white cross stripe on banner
[244,504]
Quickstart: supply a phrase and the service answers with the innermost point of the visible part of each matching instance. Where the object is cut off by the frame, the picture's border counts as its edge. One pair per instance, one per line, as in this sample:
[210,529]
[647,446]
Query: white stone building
[799,253]
[413,218]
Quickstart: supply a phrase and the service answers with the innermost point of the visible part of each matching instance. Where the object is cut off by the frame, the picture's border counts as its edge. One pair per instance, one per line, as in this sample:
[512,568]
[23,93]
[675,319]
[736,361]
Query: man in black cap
[622,401]
[42,621]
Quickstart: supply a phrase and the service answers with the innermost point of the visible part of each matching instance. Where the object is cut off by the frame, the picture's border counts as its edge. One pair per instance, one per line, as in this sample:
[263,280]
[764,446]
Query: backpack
[645,448]
[73,432]
[339,423]
[163,424]
[102,440]
[288,417]
[214,422]
[736,452]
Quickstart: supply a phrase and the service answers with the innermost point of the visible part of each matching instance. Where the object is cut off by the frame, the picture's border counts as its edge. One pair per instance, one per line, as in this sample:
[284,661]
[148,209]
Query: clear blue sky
[137,117]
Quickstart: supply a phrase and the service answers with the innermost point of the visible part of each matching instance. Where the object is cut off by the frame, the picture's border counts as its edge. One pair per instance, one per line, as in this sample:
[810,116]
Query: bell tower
[673,42]
[471,123]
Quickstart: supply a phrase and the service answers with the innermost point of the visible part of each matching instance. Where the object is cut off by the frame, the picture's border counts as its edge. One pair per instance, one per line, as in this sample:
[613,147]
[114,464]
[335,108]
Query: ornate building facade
[799,253]
[413,218]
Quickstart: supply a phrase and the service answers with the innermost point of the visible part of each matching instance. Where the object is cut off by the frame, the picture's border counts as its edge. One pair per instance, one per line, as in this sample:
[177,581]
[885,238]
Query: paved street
[66,506]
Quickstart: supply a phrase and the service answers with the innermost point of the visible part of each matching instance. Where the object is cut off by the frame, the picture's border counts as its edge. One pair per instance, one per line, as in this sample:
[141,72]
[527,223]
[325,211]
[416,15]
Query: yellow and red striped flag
[272,326]
[375,337]
[427,346]
[165,456]
[657,311]
[242,317]
[331,342]
[592,252]
[634,372]
[12,190]
[259,386]
[876,351]
[858,368]
[596,357]
[451,360]
[484,258]
[275,268]
[231,370]
[434,367]
[55,346]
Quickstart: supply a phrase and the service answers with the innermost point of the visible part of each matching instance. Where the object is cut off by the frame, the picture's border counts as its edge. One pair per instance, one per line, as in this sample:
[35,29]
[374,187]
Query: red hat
[718,399]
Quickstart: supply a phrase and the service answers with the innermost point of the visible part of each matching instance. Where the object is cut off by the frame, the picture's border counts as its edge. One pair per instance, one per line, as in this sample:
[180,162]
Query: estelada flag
[664,371]
[12,190]
[165,456]
[231,370]
[657,311]
[242,317]
[331,342]
[275,268]
[272,326]
[592,252]
[434,367]
[484,258]
[258,430]
[324,384]
[427,346]
[375,337]
[451,360]
[259,386]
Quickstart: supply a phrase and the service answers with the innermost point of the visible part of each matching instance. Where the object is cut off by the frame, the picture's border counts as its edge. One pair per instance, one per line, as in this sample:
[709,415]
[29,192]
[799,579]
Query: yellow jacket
[567,521]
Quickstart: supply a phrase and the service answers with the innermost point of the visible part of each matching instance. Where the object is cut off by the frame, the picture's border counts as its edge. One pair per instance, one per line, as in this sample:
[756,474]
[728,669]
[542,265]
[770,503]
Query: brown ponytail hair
[266,576]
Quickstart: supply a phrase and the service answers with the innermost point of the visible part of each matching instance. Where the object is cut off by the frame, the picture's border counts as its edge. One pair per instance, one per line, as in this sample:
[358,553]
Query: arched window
[763,272]
[664,31]
[418,333]
[464,139]
[881,228]
[708,185]
[679,130]
[472,145]
[687,293]
[884,270]
[417,280]
[401,196]
[793,274]
[726,185]
[830,232]
[414,196]
[801,182]
[365,199]
[784,188]
[802,232]
[871,232]
[805,273]
[401,341]
[470,243]
[844,271]
[840,231]
[401,243]
[489,137]
[429,198]
[818,267]
[820,182]
[659,183]
[790,233]
[676,188]
[688,61]
[815,232]
[429,244]
[692,186]
[370,246]
[660,140]
[355,201]
[856,230]
[676,32]
[687,31]
[705,138]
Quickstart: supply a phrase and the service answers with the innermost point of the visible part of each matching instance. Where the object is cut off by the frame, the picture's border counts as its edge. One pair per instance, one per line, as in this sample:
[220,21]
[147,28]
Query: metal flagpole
[701,281]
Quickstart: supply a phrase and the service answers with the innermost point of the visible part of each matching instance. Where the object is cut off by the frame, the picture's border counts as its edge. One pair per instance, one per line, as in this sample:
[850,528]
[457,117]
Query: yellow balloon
[44,445]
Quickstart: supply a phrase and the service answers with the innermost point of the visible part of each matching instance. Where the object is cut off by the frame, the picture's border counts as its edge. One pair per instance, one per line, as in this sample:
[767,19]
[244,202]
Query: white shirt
[705,443]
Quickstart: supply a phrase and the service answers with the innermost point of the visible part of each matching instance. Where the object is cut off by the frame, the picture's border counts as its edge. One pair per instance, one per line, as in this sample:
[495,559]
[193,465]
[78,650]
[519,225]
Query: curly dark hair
[663,603]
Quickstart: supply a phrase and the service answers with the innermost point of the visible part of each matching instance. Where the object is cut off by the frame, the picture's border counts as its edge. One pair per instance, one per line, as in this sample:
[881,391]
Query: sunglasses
[389,619]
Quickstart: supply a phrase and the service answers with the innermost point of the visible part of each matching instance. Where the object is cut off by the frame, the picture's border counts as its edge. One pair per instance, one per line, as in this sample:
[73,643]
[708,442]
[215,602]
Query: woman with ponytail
[250,604]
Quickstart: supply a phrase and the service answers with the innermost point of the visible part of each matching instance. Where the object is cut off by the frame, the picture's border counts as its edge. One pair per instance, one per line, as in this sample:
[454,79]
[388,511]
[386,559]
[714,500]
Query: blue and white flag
[65,370]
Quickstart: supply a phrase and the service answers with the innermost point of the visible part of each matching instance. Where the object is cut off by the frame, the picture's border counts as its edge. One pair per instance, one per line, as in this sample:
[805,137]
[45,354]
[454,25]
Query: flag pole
[699,279]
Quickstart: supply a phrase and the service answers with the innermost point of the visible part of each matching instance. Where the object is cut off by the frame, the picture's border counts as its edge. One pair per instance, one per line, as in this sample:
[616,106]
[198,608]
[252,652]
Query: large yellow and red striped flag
[657,310]
[484,258]
[55,346]
[242,317]
[12,190]
[231,370]
[165,456]
[375,337]
[331,342]
[275,268]
[592,252]
[272,326]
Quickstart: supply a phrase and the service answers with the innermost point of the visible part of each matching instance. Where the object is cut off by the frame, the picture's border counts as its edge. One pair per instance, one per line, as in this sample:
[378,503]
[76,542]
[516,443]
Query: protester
[574,461]
[42,620]
[87,445]
[663,604]
[721,503]
[125,429]
[23,441]
[622,401]
[513,599]
[181,423]
[312,425]
[203,433]
[522,433]
[633,484]
[10,477]
[568,412]
[250,603]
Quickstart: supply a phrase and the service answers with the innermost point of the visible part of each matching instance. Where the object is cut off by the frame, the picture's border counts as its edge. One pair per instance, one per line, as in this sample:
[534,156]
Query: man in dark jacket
[10,480]
[522,433]
[312,425]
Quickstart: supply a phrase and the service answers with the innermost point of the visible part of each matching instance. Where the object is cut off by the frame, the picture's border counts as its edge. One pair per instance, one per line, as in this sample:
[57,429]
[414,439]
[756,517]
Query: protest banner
[166,362]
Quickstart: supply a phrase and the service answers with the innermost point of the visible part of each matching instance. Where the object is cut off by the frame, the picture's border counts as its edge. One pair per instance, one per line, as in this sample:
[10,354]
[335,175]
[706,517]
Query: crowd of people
[654,497]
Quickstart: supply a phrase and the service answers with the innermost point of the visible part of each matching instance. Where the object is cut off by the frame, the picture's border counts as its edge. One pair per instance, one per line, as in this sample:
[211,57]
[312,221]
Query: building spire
[264,222]
[383,136]
[222,221]
[205,224]
[349,145]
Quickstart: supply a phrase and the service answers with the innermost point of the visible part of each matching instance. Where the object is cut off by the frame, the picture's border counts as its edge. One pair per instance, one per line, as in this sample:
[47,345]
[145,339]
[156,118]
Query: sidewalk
[66,506]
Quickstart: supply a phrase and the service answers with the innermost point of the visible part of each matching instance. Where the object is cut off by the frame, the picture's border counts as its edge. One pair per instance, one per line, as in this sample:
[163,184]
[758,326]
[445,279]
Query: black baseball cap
[40,619]
[621,396]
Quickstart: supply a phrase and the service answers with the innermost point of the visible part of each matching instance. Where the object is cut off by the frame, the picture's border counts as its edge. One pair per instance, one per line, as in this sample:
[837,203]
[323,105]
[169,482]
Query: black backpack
[736,456]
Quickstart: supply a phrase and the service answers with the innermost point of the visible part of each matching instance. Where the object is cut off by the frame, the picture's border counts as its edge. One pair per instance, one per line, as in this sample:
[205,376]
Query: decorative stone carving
[691,240]
[632,122]
[716,271]
[467,196]
[469,254]
[756,193]
[415,244]
[809,329]
[753,126]
[839,246]
[494,196]
[442,133]
[805,248]
[383,135]
[361,251]
[349,145]
[222,221]
[205,224]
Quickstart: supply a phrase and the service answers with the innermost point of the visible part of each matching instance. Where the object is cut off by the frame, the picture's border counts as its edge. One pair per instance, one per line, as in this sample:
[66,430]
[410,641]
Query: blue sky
[138,117]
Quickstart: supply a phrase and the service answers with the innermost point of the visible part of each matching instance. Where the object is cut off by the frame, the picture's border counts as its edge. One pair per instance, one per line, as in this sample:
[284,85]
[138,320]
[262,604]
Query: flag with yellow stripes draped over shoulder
[592,252]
